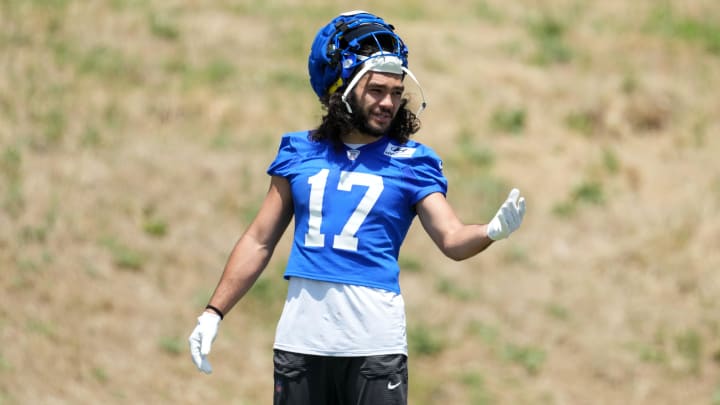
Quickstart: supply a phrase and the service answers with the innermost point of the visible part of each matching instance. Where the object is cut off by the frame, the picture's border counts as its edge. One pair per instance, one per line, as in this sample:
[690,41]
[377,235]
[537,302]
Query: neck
[358,137]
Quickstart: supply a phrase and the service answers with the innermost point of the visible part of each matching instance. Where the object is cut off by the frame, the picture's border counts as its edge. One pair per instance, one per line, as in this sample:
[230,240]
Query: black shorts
[302,379]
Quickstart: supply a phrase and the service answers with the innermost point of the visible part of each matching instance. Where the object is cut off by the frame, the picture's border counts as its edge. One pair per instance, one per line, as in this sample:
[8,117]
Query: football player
[354,185]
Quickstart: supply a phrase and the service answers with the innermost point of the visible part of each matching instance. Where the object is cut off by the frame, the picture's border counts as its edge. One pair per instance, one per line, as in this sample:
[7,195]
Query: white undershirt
[331,319]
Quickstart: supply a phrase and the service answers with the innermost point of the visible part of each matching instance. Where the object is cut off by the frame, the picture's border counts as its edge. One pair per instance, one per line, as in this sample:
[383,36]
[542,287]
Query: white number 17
[346,240]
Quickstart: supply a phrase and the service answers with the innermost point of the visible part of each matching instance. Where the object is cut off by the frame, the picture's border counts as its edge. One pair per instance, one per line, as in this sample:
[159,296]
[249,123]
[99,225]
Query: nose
[386,100]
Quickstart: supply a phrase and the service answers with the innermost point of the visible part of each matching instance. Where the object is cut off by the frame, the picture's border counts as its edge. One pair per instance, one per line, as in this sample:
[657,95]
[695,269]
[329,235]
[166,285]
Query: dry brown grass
[134,137]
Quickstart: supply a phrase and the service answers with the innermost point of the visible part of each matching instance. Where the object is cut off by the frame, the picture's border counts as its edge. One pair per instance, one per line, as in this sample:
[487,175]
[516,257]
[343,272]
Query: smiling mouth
[382,122]
[382,116]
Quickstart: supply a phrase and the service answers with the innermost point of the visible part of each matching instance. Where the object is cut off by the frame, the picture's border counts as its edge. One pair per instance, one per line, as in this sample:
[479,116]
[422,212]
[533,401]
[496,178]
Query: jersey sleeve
[426,177]
[285,158]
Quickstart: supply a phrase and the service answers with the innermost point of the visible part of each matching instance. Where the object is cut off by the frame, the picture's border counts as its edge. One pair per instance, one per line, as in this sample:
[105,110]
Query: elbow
[456,258]
[460,253]
[455,254]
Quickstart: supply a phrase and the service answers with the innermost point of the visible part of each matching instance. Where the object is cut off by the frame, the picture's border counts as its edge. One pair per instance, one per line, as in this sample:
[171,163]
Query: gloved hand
[508,218]
[202,338]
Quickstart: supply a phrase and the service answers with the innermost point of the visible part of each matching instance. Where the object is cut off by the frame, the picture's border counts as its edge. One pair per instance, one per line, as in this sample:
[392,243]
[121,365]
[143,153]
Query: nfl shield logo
[352,154]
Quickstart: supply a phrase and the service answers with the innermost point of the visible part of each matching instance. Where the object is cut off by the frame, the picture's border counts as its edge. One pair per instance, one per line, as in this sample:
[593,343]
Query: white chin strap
[383,63]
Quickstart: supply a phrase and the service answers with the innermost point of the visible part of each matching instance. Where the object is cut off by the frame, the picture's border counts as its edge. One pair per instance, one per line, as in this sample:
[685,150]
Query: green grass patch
[55,5]
[11,163]
[486,12]
[201,297]
[91,136]
[557,311]
[453,290]
[217,71]
[689,345]
[487,192]
[529,357]
[163,27]
[33,234]
[287,79]
[509,120]
[13,201]
[583,122]
[5,365]
[295,44]
[249,211]
[700,133]
[588,192]
[649,352]
[591,192]
[610,161]
[214,72]
[479,156]
[172,345]
[124,256]
[100,374]
[549,35]
[489,334]
[153,224]
[105,62]
[223,139]
[515,254]
[54,123]
[704,32]
[39,233]
[155,227]
[406,10]
[42,328]
[410,264]
[478,393]
[268,290]
[425,341]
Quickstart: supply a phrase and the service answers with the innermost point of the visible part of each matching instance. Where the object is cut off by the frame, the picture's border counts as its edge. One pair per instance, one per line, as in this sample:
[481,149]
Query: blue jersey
[353,207]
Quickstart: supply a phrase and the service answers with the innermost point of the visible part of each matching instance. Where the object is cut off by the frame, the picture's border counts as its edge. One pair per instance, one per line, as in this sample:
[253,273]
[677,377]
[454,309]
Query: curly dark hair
[337,121]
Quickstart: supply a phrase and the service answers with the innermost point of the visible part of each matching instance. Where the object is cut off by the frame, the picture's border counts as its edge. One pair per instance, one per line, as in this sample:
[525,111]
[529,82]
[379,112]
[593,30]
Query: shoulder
[413,153]
[421,167]
[295,149]
[410,148]
[300,140]
[295,138]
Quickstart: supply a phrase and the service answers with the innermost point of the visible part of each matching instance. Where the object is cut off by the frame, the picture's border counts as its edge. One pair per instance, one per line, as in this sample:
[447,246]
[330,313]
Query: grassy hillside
[134,138]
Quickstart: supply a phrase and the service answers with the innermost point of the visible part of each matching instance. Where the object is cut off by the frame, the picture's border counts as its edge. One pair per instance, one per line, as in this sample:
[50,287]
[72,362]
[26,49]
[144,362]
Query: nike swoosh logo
[392,386]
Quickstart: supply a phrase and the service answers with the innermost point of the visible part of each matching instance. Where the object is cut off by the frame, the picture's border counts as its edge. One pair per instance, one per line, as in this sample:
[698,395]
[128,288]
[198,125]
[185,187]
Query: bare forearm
[466,241]
[455,239]
[255,247]
[245,264]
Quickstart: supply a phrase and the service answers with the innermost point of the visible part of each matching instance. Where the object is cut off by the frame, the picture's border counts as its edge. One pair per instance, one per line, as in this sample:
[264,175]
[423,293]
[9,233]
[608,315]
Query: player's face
[378,97]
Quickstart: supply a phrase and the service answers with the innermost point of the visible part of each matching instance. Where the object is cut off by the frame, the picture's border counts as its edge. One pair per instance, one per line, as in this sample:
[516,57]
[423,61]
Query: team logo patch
[399,151]
[353,154]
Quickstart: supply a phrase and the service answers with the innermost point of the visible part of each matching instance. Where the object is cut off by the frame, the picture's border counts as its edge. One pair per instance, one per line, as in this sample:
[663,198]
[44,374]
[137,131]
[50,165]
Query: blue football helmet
[336,55]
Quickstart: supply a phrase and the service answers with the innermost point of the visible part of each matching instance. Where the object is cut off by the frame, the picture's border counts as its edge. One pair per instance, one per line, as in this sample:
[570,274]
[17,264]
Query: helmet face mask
[365,41]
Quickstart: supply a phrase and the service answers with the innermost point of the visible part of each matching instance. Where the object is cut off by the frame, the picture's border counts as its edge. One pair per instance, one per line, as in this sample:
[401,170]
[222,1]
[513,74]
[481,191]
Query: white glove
[201,339]
[508,218]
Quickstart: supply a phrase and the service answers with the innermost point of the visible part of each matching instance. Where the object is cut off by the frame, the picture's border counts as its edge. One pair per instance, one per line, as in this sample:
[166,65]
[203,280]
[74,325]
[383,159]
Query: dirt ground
[134,139]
